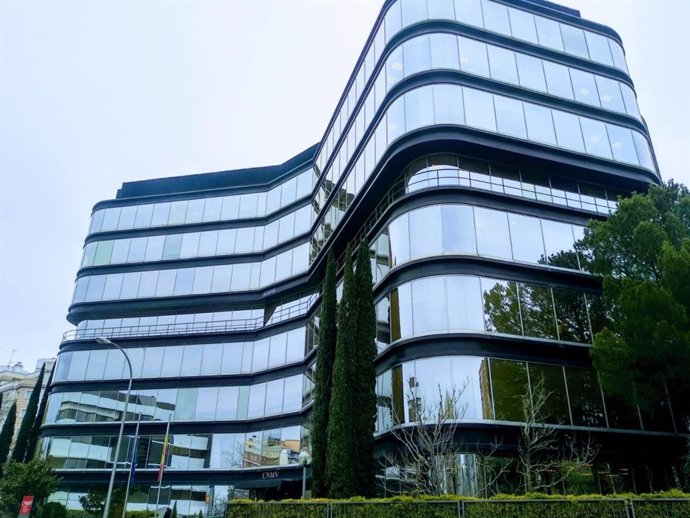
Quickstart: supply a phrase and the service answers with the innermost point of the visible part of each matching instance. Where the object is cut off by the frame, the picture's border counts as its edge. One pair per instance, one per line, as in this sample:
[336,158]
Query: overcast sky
[96,93]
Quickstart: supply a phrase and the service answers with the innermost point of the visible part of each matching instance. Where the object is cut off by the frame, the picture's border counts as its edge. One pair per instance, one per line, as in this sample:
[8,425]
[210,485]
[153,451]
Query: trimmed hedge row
[674,505]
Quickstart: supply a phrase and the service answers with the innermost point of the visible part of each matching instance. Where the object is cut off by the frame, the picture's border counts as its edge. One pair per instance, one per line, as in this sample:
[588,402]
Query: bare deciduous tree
[547,458]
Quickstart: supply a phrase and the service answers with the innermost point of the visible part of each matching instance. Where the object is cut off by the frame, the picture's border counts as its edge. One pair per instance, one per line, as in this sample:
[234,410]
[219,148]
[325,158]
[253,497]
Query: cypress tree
[36,428]
[7,433]
[364,386]
[325,356]
[20,446]
[341,476]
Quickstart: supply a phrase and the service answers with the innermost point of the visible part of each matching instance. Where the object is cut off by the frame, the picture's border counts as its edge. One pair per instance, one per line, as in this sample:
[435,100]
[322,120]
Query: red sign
[25,508]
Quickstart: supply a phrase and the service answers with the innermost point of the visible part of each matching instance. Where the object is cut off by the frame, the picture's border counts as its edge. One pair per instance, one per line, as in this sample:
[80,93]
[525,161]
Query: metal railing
[545,508]
[191,328]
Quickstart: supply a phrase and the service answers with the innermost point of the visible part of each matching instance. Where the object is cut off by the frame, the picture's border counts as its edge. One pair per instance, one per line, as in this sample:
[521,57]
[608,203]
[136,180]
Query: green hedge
[663,505]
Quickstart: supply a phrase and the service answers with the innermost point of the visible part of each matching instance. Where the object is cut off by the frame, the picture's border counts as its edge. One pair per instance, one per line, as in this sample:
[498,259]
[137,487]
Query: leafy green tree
[642,253]
[7,434]
[19,453]
[325,356]
[341,476]
[364,386]
[32,478]
[36,428]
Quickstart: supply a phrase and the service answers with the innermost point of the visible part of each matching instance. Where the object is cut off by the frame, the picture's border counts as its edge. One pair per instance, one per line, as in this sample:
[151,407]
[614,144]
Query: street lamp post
[304,459]
[104,341]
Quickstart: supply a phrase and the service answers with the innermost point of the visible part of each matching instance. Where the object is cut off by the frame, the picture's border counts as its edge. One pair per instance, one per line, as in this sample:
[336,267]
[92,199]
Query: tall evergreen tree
[325,356]
[36,429]
[364,385]
[7,433]
[341,476]
[20,446]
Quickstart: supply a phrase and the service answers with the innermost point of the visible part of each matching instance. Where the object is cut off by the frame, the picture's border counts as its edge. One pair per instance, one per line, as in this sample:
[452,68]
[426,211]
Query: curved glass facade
[459,229]
[172,361]
[478,388]
[473,304]
[201,404]
[203,210]
[220,451]
[190,245]
[203,280]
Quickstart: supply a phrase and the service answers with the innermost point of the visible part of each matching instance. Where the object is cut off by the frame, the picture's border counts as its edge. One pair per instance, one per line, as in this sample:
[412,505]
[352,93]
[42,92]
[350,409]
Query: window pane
[292,395]
[568,131]
[211,359]
[172,246]
[399,240]
[509,386]
[202,280]
[510,118]
[598,48]
[161,212]
[153,361]
[257,397]
[95,290]
[479,109]
[644,152]
[413,11]
[113,284]
[444,51]
[622,144]
[120,251]
[610,94]
[458,230]
[419,110]
[526,238]
[548,393]
[417,55]
[274,397]
[178,210]
[558,80]
[154,248]
[584,87]
[522,25]
[501,307]
[429,310]
[448,105]
[558,239]
[425,232]
[104,250]
[496,17]
[166,283]
[630,101]
[473,57]
[212,209]
[190,245]
[469,12]
[130,285]
[574,41]
[536,305]
[596,138]
[464,303]
[260,355]
[503,67]
[144,215]
[585,397]
[493,237]
[172,360]
[539,124]
[549,33]
[531,72]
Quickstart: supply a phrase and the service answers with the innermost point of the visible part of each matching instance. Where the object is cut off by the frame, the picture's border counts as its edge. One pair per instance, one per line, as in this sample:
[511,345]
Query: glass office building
[472,143]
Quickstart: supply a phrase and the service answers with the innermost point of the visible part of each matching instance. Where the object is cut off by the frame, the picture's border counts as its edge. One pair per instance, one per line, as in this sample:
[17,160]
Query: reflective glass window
[226,241]
[113,285]
[166,283]
[458,230]
[510,118]
[536,306]
[274,397]
[558,80]
[444,51]
[598,47]
[227,403]
[127,215]
[172,360]
[202,280]
[539,123]
[207,243]
[496,17]
[211,359]
[248,205]
[95,288]
[568,131]
[417,55]
[96,367]
[522,25]
[178,211]
[393,22]
[630,101]
[622,144]
[509,387]
[558,238]
[531,72]
[161,213]
[185,406]
[232,358]
[644,153]
[172,246]
[585,397]
[618,55]
[153,361]
[130,285]
[212,209]
[429,311]
[110,218]
[137,250]
[245,240]
[195,211]
[413,11]
[571,315]
[493,236]
[418,110]
[120,251]
[502,62]
[97,221]
[184,281]
[260,356]
[448,105]
[257,398]
[548,393]
[464,303]
[610,94]
[596,138]
[584,87]
[154,248]
[425,231]
[276,355]
[479,109]
[190,245]
[292,394]
[501,306]
[441,9]
[473,57]
[469,12]
[526,238]
[191,360]
[143,216]
[549,33]
[399,240]
[295,345]
[104,250]
[574,41]
[89,254]
[231,208]
[241,275]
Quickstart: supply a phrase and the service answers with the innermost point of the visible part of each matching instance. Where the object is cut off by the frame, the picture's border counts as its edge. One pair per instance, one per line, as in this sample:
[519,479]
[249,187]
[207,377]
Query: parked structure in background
[472,143]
